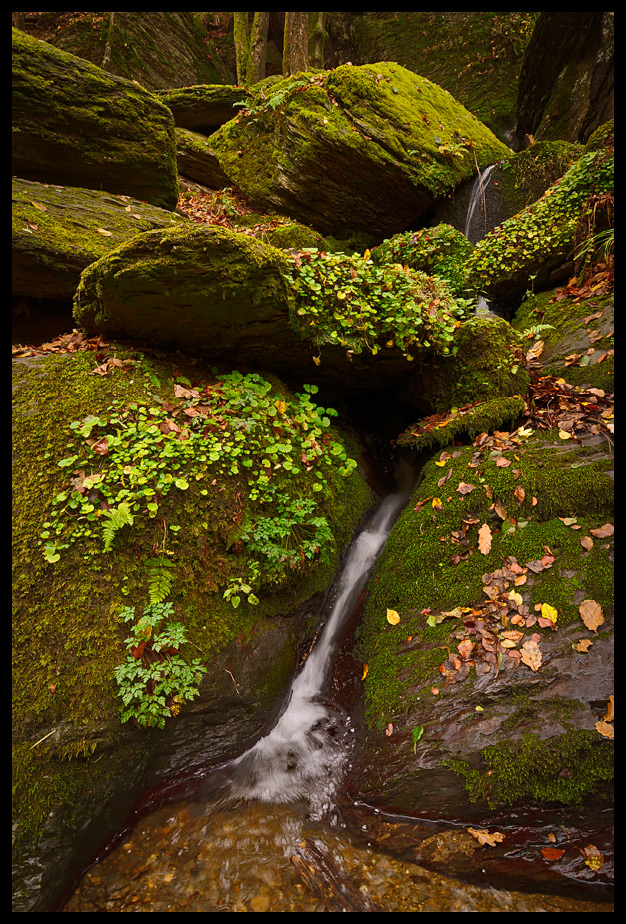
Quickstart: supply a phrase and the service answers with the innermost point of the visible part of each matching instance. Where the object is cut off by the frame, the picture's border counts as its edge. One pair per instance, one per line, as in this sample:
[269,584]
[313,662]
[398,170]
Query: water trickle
[478,191]
[304,755]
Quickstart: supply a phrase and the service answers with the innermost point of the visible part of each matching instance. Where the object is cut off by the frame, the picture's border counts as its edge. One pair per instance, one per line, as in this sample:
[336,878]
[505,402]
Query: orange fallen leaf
[365,670]
[587,543]
[610,715]
[531,654]
[605,729]
[603,531]
[583,645]
[484,539]
[389,730]
[552,853]
[591,614]
[486,837]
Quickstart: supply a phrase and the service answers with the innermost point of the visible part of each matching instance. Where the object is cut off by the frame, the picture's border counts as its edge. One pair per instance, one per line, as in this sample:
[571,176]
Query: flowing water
[477,195]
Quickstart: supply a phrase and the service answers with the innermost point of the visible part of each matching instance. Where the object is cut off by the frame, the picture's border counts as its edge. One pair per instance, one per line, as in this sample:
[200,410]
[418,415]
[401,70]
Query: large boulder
[359,148]
[205,107]
[77,769]
[76,125]
[566,84]
[59,230]
[197,161]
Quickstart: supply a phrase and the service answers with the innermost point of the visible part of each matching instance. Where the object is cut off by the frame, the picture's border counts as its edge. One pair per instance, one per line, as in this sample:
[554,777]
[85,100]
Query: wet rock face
[76,125]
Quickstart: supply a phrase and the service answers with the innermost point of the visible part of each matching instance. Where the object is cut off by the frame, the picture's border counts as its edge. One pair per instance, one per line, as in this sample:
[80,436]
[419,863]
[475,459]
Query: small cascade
[478,191]
[303,756]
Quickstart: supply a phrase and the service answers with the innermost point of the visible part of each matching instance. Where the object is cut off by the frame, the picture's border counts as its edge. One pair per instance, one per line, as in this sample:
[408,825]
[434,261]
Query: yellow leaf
[280,406]
[516,598]
[317,360]
[367,255]
[524,431]
[393,617]
[549,612]
[565,435]
[365,669]
[436,502]
[440,462]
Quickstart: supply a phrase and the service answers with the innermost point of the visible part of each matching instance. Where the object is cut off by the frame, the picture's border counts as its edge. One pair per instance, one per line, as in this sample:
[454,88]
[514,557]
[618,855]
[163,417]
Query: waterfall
[303,756]
[478,190]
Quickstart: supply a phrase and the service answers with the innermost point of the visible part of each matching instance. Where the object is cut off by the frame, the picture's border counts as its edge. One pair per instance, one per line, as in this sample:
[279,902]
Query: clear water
[480,185]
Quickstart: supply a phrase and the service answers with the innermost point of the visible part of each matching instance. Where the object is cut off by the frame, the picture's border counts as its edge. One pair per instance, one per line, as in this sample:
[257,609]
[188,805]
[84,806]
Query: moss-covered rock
[532,245]
[493,726]
[76,125]
[58,231]
[77,770]
[197,161]
[205,107]
[488,364]
[203,288]
[357,148]
[158,49]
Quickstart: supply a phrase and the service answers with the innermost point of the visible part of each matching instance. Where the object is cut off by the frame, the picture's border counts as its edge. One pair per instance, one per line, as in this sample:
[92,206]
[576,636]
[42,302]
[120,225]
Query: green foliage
[123,465]
[155,681]
[439,251]
[353,302]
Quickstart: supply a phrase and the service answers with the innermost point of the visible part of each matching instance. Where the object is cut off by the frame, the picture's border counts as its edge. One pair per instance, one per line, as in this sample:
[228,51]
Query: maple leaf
[591,614]
[486,837]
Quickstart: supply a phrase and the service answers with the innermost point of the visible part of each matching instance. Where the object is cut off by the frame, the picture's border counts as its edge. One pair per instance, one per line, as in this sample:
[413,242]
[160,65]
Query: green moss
[416,570]
[564,769]
[462,424]
[439,251]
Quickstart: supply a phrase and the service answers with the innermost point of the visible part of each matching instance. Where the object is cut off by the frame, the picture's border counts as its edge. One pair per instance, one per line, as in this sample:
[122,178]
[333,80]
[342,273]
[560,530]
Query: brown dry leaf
[484,539]
[502,462]
[605,729]
[486,837]
[583,645]
[587,543]
[603,531]
[520,494]
[465,648]
[389,730]
[610,710]
[464,488]
[535,351]
[500,510]
[531,654]
[591,614]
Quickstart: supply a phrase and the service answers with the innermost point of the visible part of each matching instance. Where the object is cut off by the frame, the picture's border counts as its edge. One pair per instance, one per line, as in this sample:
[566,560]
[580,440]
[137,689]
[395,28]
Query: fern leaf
[116,518]
[160,578]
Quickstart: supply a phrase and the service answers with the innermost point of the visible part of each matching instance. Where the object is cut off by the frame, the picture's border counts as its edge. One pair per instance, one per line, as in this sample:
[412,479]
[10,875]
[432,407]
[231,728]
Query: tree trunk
[318,37]
[241,36]
[258,48]
[296,46]
[106,60]
[18,20]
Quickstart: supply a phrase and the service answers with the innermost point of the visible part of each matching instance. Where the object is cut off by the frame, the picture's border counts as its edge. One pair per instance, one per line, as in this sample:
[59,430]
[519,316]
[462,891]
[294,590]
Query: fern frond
[537,329]
[160,578]
[116,518]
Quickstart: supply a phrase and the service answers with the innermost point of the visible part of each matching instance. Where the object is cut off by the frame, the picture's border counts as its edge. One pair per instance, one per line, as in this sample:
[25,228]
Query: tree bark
[258,48]
[106,60]
[296,45]
[318,37]
[241,36]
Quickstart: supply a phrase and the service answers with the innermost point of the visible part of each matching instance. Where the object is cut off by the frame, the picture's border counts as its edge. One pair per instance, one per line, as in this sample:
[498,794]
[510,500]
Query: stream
[230,847]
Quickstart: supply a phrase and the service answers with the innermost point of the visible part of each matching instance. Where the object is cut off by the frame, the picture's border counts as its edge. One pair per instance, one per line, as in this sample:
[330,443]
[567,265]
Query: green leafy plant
[161,574]
[350,301]
[155,681]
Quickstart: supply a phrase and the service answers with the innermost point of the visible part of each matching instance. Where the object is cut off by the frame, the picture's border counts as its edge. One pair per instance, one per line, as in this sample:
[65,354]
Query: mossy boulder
[205,107]
[490,686]
[57,231]
[203,288]
[366,148]
[197,161]
[536,245]
[158,49]
[76,125]
[488,364]
[77,769]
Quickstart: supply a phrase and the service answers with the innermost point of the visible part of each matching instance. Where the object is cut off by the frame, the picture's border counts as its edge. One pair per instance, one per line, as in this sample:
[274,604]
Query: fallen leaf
[603,531]
[389,730]
[591,614]
[605,729]
[583,645]
[531,654]
[610,715]
[465,648]
[365,670]
[502,462]
[587,543]
[464,488]
[500,510]
[549,612]
[484,539]
[436,502]
[486,837]
[565,435]
[552,853]
[520,494]
[104,231]
[593,857]
[393,617]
